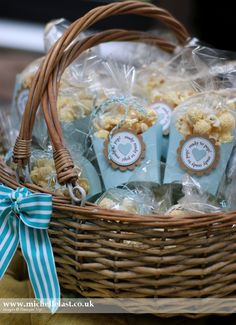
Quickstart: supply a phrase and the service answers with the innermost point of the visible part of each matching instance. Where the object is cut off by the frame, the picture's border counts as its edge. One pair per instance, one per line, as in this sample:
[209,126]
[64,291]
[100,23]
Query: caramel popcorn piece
[183,127]
[227,122]
[202,127]
[194,115]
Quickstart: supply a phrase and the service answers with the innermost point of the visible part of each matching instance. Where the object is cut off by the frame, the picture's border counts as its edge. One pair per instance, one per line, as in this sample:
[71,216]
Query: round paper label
[164,114]
[198,155]
[125,149]
[21,100]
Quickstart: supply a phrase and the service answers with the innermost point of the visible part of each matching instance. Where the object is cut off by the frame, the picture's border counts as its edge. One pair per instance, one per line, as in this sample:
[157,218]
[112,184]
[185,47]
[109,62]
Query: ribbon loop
[34,212]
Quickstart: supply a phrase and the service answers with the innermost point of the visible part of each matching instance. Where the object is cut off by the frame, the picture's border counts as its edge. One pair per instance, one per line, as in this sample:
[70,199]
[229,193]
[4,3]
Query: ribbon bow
[24,219]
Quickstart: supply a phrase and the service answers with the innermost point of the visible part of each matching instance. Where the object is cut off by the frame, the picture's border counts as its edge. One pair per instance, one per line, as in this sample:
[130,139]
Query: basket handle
[45,85]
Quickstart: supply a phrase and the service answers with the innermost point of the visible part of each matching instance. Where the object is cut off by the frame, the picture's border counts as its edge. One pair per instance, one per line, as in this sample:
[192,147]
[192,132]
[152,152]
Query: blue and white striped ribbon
[24,219]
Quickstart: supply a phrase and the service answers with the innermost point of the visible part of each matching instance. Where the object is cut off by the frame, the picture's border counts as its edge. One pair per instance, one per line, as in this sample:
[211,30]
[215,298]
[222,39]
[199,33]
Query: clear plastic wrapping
[137,198]
[21,92]
[169,84]
[195,68]
[137,54]
[124,129]
[123,113]
[53,31]
[126,200]
[8,132]
[202,136]
[75,99]
[195,201]
[43,173]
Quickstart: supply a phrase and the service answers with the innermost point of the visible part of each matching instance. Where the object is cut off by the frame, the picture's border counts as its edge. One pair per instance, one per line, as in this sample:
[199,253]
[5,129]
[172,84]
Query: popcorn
[226,137]
[125,204]
[159,86]
[170,96]
[202,127]
[135,120]
[129,205]
[178,212]
[102,134]
[213,120]
[227,122]
[194,115]
[136,201]
[29,72]
[66,114]
[107,203]
[44,174]
[74,102]
[183,126]
[218,125]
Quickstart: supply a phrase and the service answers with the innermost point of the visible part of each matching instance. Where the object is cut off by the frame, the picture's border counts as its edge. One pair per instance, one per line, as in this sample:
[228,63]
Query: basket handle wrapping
[45,85]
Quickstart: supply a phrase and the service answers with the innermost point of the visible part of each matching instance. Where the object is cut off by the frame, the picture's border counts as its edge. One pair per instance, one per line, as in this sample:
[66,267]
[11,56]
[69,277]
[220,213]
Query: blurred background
[22,23]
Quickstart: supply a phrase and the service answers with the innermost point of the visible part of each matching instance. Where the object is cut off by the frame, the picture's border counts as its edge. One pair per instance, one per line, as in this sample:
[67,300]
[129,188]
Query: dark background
[211,21]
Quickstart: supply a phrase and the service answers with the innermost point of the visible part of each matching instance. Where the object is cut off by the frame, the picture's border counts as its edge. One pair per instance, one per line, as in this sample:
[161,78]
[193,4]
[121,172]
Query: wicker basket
[104,253]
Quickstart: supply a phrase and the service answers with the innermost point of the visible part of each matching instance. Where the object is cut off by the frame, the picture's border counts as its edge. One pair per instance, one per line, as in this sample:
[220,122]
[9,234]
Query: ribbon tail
[9,239]
[37,251]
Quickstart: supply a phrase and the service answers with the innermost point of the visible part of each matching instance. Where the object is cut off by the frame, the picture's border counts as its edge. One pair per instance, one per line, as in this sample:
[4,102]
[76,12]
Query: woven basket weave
[105,253]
